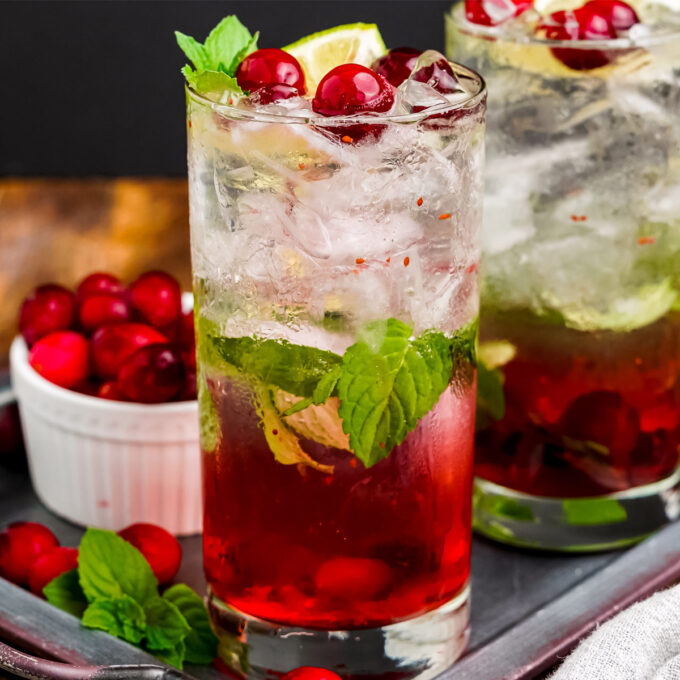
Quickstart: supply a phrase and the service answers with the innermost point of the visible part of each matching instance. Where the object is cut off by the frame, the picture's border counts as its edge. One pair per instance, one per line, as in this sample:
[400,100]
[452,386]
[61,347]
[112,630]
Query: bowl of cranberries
[105,379]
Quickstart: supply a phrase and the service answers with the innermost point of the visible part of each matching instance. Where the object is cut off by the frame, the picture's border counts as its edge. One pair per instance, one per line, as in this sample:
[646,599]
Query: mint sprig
[215,61]
[114,590]
[386,381]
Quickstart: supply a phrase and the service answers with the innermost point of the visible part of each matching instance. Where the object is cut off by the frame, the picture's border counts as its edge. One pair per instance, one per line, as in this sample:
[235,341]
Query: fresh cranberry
[353,89]
[102,310]
[47,309]
[98,283]
[109,390]
[112,345]
[160,548]
[619,14]
[605,419]
[62,357]
[397,65]
[585,23]
[50,565]
[157,297]
[311,673]
[273,93]
[187,336]
[152,375]
[350,89]
[20,546]
[438,75]
[270,66]
[353,578]
[188,392]
[494,12]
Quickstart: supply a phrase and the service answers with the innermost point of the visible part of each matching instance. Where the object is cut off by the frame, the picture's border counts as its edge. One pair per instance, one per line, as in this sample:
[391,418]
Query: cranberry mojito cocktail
[335,205]
[579,391]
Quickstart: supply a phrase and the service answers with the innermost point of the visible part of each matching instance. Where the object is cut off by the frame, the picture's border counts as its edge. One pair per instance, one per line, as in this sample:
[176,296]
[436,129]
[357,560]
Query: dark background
[93,87]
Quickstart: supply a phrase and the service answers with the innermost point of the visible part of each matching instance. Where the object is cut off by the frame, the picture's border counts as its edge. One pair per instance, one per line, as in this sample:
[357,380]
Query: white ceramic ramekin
[106,463]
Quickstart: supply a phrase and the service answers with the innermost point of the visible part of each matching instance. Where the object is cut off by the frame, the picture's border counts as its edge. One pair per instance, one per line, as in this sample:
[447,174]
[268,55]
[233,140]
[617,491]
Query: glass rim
[234,112]
[456,14]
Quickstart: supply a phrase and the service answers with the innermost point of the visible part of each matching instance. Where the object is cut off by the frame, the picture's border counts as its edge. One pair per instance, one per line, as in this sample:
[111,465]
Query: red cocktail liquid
[587,413]
[353,549]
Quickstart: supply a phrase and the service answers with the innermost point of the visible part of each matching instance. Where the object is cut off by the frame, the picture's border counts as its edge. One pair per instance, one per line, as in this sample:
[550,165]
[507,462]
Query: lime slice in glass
[351,43]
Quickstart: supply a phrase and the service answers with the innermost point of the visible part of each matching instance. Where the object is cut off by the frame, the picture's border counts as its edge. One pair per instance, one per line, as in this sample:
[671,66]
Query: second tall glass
[579,421]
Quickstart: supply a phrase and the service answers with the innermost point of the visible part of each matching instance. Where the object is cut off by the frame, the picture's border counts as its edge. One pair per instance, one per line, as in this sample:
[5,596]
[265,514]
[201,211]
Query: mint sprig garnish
[215,61]
[114,590]
[386,381]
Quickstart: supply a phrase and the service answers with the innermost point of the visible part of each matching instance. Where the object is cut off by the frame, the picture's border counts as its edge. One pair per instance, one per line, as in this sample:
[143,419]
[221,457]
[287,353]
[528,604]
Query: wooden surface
[59,230]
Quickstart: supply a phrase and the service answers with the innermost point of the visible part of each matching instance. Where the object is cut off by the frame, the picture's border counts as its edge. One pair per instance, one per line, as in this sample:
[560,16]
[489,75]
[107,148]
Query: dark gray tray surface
[528,608]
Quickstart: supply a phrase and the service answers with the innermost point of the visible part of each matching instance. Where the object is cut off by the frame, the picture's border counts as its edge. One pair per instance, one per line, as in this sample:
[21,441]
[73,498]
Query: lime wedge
[320,52]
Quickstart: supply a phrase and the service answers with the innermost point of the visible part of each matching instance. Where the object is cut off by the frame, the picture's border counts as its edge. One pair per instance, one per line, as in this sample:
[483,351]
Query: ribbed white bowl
[105,463]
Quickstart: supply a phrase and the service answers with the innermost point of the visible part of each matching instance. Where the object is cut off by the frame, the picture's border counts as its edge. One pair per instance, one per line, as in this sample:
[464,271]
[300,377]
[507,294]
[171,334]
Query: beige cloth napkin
[640,643]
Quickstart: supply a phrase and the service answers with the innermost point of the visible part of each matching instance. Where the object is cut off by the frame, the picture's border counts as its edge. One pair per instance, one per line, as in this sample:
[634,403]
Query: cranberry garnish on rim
[619,14]
[397,65]
[160,548]
[49,308]
[157,297]
[352,89]
[112,345]
[585,23]
[270,66]
[20,546]
[62,357]
[268,94]
[494,12]
[152,375]
[98,283]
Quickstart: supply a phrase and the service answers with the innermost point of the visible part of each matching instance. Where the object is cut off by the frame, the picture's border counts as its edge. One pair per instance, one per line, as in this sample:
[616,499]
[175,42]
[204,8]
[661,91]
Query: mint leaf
[210,81]
[173,657]
[216,61]
[490,395]
[109,568]
[121,616]
[323,390]
[225,42]
[165,625]
[592,511]
[201,643]
[195,51]
[294,368]
[65,592]
[388,383]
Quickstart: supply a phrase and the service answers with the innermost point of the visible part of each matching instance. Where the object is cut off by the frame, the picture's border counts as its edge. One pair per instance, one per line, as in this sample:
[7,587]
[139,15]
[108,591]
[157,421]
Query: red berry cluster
[31,556]
[127,344]
[596,20]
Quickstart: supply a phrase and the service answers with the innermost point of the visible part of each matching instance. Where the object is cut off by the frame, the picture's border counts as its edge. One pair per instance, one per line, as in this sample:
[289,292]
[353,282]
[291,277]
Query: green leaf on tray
[201,642]
[65,592]
[173,657]
[110,567]
[120,616]
[165,625]
[592,511]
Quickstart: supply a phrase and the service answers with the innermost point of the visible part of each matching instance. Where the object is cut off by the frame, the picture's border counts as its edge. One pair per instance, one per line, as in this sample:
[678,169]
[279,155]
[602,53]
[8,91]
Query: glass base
[575,524]
[421,647]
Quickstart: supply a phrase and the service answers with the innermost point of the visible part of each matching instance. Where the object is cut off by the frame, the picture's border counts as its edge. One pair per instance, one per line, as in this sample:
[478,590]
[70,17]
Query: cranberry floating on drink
[579,374]
[335,258]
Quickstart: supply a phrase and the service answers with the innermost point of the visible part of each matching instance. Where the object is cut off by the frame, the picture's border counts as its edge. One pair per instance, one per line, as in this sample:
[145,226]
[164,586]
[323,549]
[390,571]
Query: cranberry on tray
[21,544]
